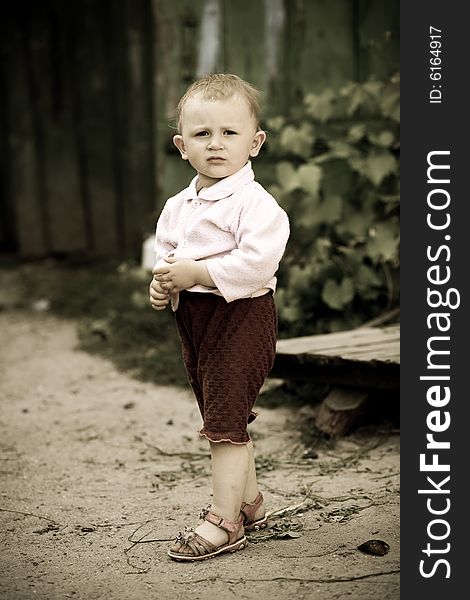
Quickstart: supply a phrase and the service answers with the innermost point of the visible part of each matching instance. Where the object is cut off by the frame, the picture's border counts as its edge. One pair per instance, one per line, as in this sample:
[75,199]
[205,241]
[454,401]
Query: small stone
[377,547]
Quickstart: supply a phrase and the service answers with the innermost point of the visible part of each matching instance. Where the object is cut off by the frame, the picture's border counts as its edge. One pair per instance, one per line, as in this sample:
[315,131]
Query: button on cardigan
[235,225]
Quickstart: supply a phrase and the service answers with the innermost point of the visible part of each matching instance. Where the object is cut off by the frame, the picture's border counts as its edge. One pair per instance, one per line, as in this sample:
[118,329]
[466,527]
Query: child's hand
[159,297]
[176,275]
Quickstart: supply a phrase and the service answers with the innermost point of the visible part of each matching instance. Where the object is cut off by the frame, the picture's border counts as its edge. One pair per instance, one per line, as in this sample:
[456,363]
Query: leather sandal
[200,548]
[248,510]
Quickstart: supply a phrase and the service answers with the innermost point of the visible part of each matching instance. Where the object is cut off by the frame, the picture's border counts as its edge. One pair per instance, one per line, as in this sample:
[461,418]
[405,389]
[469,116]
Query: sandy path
[82,472]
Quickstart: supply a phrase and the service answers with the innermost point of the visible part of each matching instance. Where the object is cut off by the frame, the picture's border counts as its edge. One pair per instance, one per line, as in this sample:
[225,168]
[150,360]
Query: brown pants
[228,351]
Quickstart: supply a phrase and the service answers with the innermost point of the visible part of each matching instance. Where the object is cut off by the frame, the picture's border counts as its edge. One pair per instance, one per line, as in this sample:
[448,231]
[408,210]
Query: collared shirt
[235,225]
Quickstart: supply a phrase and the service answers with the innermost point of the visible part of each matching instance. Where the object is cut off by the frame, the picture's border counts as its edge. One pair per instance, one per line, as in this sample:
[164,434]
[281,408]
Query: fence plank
[8,239]
[95,130]
[139,155]
[244,40]
[319,46]
[31,237]
[378,33]
[53,66]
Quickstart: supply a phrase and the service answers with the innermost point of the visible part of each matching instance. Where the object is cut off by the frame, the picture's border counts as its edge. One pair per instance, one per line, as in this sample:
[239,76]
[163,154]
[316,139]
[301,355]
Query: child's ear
[179,143]
[258,141]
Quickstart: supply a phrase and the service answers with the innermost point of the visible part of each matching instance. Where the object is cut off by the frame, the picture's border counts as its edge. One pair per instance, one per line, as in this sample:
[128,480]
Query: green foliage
[337,175]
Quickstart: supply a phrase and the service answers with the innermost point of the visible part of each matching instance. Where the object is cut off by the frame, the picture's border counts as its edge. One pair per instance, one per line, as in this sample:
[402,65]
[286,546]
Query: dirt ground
[99,471]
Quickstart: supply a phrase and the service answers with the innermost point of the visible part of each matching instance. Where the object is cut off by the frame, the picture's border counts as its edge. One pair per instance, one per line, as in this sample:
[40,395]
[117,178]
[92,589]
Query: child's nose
[215,143]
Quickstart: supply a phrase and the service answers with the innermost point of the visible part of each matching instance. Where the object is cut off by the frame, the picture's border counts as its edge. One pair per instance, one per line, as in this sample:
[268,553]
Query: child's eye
[230,132]
[201,133]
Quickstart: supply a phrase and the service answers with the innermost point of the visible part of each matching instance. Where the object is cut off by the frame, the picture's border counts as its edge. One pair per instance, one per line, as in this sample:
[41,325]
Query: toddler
[218,244]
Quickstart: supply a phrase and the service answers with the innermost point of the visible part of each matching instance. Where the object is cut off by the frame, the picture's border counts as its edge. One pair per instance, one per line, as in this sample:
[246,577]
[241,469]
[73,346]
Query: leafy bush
[337,175]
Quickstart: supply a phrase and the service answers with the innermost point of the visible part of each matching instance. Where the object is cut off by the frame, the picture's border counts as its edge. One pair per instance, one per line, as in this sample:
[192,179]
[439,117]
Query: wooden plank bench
[354,363]
[367,357]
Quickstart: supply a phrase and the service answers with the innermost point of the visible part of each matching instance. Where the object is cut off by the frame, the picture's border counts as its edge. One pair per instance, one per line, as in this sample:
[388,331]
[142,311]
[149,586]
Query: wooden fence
[87,89]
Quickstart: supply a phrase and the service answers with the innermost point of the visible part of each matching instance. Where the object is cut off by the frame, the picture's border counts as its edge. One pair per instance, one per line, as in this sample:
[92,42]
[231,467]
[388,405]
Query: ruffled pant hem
[227,436]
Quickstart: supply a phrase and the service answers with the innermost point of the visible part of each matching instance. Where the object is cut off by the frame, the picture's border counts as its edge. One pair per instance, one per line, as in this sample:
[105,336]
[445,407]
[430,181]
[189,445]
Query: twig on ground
[310,502]
[29,514]
[312,555]
[350,460]
[279,531]
[340,498]
[142,540]
[184,455]
[280,492]
[292,509]
[385,476]
[299,579]
[117,525]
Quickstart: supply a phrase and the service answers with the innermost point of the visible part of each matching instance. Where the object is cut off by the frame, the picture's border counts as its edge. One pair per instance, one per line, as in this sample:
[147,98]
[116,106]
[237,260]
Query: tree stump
[341,410]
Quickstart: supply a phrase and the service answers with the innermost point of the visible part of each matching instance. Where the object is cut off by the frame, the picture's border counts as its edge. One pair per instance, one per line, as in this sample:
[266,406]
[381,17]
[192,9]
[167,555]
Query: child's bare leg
[251,488]
[230,465]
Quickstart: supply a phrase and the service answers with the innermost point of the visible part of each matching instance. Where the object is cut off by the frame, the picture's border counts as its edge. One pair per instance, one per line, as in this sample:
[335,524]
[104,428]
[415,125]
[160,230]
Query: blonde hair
[220,86]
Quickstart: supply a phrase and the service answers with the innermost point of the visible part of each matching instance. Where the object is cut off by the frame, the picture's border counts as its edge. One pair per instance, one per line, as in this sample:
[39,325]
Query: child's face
[218,137]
